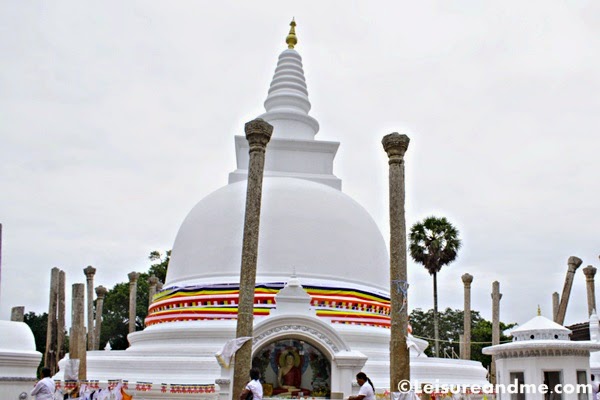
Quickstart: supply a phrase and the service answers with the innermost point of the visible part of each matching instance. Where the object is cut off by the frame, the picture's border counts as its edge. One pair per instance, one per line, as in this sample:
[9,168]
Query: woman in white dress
[367,390]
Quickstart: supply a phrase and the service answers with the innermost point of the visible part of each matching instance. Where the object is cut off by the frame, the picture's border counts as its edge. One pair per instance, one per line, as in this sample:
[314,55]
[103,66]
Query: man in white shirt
[44,389]
[254,386]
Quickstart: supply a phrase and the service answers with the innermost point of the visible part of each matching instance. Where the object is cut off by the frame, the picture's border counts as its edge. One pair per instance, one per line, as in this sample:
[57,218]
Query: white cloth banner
[231,346]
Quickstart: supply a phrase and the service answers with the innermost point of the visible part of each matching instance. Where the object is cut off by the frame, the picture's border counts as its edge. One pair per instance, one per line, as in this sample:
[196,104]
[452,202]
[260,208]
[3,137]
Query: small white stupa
[541,353]
[18,359]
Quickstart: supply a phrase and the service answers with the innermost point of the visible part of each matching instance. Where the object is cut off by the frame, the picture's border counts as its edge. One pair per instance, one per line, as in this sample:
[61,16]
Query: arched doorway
[292,367]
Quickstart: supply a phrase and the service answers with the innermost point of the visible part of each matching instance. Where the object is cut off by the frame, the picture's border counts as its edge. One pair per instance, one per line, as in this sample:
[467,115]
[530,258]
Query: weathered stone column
[17,314]
[50,355]
[258,134]
[574,263]
[60,316]
[395,145]
[77,344]
[133,277]
[152,283]
[466,348]
[496,296]
[589,273]
[555,303]
[89,278]
[100,293]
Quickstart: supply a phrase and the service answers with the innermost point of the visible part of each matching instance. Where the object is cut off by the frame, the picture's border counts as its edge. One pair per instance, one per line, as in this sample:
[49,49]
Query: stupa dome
[309,227]
[16,336]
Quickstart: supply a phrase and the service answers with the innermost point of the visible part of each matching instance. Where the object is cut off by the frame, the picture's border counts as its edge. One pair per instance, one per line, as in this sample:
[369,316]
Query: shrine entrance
[293,368]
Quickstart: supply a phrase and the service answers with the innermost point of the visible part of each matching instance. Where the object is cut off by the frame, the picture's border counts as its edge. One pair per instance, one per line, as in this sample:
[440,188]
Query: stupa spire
[287,103]
[291,38]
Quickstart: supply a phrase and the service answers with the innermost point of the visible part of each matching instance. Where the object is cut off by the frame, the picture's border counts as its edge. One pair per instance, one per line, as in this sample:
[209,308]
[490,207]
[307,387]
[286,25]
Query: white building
[18,359]
[542,354]
[335,324]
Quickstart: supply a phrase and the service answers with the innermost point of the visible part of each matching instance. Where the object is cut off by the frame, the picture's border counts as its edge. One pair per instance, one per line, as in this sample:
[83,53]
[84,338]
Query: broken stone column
[466,348]
[60,316]
[258,133]
[17,314]
[50,355]
[395,145]
[152,283]
[589,273]
[77,342]
[573,263]
[555,303]
[496,296]
[133,277]
[89,278]
[100,293]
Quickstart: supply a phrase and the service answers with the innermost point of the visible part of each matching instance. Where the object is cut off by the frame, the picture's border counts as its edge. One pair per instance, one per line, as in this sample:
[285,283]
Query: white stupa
[18,359]
[333,315]
[542,353]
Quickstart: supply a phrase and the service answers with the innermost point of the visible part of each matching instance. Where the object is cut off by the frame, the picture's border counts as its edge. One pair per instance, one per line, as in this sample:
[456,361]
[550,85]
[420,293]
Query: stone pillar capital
[258,134]
[574,263]
[395,145]
[153,280]
[589,272]
[101,292]
[133,276]
[89,271]
[467,279]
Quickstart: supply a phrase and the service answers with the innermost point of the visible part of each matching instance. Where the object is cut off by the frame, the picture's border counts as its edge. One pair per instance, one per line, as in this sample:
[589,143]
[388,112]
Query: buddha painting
[289,375]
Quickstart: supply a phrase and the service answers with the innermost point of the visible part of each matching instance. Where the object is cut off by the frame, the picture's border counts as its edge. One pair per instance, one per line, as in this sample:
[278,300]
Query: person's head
[46,373]
[361,378]
[254,374]
[289,359]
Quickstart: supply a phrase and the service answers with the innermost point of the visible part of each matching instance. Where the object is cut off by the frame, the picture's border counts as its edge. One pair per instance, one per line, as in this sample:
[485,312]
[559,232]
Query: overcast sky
[116,118]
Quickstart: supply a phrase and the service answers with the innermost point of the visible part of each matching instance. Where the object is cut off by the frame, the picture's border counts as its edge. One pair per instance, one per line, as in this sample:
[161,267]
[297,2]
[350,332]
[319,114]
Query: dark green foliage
[39,327]
[115,312]
[451,326]
[434,243]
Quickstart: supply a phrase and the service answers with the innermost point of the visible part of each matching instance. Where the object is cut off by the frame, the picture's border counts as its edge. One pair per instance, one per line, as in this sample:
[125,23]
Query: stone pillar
[100,293]
[395,145]
[589,273]
[555,303]
[466,347]
[258,134]
[159,286]
[77,342]
[60,316]
[496,296]
[152,283]
[50,355]
[573,263]
[133,277]
[89,278]
[17,314]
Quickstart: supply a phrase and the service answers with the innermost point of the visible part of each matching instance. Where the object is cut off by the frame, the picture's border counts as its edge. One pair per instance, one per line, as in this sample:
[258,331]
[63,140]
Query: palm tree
[434,243]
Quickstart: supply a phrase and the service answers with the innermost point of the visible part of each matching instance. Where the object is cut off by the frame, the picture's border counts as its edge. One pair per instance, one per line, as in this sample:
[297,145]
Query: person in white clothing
[44,388]
[254,386]
[367,390]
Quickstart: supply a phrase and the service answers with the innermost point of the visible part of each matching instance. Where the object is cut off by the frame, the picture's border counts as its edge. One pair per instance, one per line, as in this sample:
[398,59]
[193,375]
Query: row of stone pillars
[55,334]
[560,303]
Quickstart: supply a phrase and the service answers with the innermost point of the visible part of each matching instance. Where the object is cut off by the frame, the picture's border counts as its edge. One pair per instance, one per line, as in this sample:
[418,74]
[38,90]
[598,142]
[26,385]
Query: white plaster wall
[534,367]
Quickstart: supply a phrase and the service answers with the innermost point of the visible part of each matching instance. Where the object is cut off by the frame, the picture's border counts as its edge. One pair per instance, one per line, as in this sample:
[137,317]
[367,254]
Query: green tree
[451,327]
[39,326]
[115,311]
[434,243]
